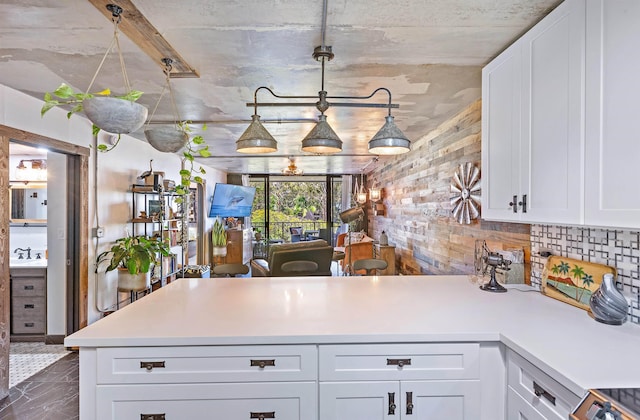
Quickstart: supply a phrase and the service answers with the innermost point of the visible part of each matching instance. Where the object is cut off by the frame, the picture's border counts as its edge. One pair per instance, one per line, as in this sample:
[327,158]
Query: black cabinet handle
[262,363]
[523,203]
[29,287]
[29,324]
[152,416]
[29,306]
[262,416]
[409,403]
[514,204]
[398,362]
[150,365]
[392,403]
[541,392]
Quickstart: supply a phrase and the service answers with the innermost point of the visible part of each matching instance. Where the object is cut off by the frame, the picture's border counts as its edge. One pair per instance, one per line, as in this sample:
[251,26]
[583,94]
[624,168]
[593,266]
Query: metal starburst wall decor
[465,189]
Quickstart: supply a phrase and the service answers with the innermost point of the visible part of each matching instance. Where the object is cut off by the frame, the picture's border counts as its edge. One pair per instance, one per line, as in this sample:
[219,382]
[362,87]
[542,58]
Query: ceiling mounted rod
[324,21]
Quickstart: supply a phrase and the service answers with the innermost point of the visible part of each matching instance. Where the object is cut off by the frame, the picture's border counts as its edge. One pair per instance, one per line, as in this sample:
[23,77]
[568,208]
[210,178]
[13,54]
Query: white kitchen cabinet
[229,401]
[226,382]
[533,116]
[451,400]
[501,80]
[612,149]
[532,394]
[395,381]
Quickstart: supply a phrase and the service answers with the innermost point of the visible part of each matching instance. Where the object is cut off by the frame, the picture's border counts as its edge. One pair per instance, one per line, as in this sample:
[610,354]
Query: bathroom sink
[15,262]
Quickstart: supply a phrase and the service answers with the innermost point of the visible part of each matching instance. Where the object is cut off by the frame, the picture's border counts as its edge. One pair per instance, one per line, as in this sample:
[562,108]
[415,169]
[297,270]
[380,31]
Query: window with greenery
[309,202]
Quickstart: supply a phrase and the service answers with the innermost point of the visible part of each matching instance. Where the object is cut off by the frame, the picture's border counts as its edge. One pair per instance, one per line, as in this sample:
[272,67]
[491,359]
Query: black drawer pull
[392,403]
[152,416]
[398,362]
[150,365]
[29,324]
[29,306]
[29,287]
[264,415]
[262,363]
[541,392]
[409,403]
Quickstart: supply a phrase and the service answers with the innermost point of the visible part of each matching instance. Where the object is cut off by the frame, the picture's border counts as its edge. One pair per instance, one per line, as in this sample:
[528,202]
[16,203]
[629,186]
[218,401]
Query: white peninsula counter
[342,348]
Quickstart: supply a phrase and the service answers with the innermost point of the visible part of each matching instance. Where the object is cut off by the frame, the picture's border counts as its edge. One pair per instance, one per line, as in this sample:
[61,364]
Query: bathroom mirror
[28,203]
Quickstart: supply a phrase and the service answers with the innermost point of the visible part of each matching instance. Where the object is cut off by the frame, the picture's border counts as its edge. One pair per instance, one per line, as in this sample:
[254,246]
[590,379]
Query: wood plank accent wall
[416,192]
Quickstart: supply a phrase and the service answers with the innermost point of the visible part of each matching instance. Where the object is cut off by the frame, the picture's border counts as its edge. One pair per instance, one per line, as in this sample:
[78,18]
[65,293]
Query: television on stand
[232,201]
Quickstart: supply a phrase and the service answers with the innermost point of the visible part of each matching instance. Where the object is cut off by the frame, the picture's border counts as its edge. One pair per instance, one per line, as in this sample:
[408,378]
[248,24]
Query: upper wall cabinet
[612,196]
[532,136]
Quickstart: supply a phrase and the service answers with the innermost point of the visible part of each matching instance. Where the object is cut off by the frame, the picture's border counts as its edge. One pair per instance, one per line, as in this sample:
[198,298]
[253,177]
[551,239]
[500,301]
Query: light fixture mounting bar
[255,104]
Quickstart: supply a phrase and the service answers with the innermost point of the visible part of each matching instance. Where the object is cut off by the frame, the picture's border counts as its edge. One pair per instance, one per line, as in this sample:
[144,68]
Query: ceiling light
[292,169]
[389,140]
[256,138]
[322,139]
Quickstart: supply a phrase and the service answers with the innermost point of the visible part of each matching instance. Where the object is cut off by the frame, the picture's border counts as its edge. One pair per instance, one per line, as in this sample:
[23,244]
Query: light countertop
[563,340]
[25,263]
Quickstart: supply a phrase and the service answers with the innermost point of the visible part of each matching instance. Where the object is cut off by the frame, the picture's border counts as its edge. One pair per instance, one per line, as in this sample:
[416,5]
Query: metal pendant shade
[351,214]
[389,140]
[322,139]
[256,139]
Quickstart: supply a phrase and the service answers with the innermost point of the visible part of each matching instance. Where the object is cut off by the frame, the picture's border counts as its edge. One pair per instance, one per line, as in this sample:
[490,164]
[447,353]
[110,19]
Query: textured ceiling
[428,53]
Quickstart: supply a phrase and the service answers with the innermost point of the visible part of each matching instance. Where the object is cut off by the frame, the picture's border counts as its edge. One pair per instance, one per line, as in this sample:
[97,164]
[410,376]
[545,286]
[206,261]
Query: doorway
[75,234]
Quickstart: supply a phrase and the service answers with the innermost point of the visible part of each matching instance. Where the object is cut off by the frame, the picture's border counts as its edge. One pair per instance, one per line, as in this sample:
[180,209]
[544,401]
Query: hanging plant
[167,138]
[195,146]
[113,114]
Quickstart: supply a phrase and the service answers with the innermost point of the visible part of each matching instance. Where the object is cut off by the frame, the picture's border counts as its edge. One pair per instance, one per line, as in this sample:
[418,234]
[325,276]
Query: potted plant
[114,114]
[218,239]
[134,256]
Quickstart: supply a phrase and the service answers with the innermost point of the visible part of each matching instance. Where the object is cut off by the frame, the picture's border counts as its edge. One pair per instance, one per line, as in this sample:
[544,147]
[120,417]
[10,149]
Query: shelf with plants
[155,214]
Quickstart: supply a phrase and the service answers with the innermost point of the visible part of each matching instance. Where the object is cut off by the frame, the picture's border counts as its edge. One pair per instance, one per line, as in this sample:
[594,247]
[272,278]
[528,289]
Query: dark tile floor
[51,394]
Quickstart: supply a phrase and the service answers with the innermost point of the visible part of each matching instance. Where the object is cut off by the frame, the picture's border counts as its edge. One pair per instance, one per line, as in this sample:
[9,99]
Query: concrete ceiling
[428,53]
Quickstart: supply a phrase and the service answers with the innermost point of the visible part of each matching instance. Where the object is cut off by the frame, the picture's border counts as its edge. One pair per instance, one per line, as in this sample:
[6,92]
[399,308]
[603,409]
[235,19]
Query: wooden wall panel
[416,192]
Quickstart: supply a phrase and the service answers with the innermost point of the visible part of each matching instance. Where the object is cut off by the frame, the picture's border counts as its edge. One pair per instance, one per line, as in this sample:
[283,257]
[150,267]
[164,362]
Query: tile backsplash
[617,248]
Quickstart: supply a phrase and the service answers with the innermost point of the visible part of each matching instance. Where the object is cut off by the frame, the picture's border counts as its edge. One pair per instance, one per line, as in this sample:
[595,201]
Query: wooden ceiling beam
[139,30]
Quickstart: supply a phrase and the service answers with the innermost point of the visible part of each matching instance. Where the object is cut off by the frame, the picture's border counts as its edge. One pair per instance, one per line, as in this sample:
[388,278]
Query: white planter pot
[219,251]
[114,115]
[167,139]
[128,282]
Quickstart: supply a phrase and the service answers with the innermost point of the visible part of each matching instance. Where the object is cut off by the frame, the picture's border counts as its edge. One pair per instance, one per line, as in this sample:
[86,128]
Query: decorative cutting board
[572,281]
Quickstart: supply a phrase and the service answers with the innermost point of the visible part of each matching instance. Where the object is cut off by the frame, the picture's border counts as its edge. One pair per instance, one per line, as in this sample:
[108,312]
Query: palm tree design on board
[578,273]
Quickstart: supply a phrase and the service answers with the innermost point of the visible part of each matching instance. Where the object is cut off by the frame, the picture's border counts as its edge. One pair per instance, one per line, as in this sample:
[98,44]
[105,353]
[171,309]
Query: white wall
[117,170]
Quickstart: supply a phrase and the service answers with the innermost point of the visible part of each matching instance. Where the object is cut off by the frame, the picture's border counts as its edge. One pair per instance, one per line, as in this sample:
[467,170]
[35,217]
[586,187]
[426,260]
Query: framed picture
[155,209]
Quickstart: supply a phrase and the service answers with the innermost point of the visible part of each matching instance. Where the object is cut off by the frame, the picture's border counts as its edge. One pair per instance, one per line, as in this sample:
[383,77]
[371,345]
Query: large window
[308,202]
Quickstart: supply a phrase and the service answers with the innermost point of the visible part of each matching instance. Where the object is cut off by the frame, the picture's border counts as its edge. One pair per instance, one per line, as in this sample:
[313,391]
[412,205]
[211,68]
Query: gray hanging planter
[167,139]
[115,115]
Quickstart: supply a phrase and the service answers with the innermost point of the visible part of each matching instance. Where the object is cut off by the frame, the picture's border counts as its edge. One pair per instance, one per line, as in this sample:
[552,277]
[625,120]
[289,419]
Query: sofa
[318,251]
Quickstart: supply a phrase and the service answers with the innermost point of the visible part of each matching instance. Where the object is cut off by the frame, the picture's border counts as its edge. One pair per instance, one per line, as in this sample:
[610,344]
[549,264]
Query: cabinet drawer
[27,323]
[28,307]
[554,400]
[206,364]
[28,286]
[286,401]
[399,361]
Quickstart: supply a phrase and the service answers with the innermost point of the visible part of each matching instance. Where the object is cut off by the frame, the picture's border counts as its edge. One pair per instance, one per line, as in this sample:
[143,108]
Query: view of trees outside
[295,203]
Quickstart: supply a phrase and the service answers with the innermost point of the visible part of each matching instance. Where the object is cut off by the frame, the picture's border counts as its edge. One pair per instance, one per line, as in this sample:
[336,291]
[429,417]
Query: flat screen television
[232,201]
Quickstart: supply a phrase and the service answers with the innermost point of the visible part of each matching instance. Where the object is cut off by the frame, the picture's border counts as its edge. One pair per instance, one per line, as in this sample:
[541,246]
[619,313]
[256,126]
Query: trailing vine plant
[195,146]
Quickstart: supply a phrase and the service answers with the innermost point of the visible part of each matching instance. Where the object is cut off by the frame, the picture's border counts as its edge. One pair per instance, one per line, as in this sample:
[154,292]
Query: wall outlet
[98,232]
